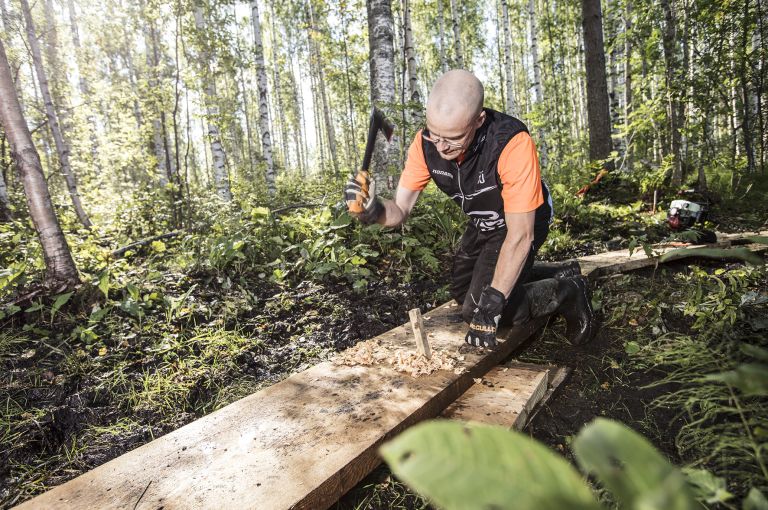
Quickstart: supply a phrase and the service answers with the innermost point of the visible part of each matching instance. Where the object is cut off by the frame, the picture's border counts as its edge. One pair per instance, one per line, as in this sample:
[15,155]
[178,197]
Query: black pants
[475,263]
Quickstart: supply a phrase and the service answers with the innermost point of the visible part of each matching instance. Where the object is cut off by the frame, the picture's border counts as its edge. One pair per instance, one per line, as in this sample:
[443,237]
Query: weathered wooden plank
[300,443]
[604,264]
[505,397]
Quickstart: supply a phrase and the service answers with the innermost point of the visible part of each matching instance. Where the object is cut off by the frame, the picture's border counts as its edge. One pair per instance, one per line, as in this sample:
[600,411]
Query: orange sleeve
[520,175]
[415,175]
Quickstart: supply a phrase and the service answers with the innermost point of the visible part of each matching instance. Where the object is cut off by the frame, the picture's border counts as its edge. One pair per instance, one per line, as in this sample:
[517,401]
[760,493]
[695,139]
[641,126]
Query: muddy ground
[59,421]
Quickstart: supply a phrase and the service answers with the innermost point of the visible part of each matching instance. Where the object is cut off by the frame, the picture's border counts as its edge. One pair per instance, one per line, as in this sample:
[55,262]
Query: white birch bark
[220,175]
[279,118]
[60,267]
[261,78]
[5,201]
[62,147]
[381,28]
[441,33]
[414,97]
[538,88]
[327,118]
[511,107]
[458,51]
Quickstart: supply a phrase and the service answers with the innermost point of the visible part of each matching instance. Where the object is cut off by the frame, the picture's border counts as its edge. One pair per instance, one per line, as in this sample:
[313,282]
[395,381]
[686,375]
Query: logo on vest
[442,172]
[481,179]
[487,220]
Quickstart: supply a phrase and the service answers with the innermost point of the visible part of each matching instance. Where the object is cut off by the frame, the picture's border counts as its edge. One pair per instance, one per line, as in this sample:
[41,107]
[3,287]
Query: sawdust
[372,352]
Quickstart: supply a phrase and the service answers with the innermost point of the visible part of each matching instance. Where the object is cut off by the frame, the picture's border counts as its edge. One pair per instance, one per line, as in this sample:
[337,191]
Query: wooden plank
[556,380]
[300,443]
[422,343]
[604,264]
[505,397]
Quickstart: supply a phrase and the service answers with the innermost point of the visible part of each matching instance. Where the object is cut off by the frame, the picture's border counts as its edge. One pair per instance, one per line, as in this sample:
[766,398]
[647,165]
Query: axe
[378,123]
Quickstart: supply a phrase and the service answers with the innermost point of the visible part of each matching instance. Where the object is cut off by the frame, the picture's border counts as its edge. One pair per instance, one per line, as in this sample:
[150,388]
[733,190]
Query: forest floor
[81,386]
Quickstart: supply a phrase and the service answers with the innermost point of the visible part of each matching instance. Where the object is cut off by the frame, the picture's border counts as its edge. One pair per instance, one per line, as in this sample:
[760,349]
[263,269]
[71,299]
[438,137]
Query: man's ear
[480,119]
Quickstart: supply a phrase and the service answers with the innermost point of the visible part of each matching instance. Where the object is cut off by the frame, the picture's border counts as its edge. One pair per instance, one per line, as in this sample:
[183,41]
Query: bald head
[455,100]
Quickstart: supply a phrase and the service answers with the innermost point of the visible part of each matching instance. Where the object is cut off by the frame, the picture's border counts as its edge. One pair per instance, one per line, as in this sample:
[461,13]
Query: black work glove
[482,329]
[361,199]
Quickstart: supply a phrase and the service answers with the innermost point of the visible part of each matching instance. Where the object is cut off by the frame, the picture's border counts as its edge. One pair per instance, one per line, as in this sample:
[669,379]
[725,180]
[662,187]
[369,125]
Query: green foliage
[473,466]
[737,253]
[465,466]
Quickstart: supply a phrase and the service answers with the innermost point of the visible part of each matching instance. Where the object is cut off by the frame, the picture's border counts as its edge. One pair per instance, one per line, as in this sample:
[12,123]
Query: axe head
[380,122]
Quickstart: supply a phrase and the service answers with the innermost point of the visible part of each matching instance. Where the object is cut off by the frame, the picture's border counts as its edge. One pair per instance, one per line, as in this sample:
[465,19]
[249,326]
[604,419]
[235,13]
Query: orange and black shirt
[499,173]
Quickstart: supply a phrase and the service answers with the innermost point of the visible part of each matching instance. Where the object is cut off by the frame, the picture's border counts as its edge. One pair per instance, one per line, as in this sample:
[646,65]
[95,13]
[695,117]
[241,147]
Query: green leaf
[754,351]
[740,253]
[758,239]
[750,378]
[104,284]
[472,466]
[631,468]
[755,500]
[158,246]
[707,487]
[61,300]
[631,348]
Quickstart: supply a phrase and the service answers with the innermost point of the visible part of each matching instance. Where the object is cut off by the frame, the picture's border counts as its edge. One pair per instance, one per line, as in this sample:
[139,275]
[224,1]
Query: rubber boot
[544,270]
[569,297]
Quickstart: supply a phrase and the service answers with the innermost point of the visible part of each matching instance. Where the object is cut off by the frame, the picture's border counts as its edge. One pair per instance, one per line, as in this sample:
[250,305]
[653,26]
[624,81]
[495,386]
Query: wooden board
[604,264]
[300,443]
[505,396]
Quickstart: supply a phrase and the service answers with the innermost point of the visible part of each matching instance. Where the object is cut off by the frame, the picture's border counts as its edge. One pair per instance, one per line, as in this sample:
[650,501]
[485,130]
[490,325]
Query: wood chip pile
[372,352]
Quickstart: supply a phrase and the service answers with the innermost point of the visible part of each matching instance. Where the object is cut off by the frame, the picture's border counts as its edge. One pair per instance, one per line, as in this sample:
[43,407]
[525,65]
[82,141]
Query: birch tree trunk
[60,267]
[381,28]
[220,176]
[280,117]
[330,133]
[5,201]
[458,51]
[410,56]
[511,107]
[669,37]
[352,132]
[441,36]
[261,77]
[746,118]
[83,85]
[53,122]
[598,113]
[628,80]
[538,88]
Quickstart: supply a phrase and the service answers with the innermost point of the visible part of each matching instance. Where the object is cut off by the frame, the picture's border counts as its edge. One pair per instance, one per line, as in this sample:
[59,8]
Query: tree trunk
[280,116]
[321,88]
[60,267]
[221,178]
[598,112]
[351,131]
[53,123]
[511,107]
[538,88]
[458,51]
[441,36]
[381,27]
[669,37]
[261,77]
[5,201]
[628,80]
[410,56]
[746,119]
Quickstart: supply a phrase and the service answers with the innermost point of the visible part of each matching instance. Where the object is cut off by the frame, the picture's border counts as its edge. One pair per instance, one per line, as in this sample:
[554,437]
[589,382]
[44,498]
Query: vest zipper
[458,181]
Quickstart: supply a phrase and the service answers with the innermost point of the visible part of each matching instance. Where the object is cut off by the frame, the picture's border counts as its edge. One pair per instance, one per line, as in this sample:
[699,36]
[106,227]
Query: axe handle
[373,130]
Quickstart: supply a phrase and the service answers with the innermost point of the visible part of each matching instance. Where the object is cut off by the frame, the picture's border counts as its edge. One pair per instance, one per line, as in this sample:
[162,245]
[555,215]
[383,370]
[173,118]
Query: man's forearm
[393,216]
[512,257]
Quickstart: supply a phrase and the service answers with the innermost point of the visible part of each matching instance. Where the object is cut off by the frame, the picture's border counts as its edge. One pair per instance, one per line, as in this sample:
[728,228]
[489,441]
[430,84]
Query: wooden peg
[422,343]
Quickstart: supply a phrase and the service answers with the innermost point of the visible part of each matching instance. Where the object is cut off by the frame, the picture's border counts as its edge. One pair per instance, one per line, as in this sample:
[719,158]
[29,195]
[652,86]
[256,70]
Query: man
[487,163]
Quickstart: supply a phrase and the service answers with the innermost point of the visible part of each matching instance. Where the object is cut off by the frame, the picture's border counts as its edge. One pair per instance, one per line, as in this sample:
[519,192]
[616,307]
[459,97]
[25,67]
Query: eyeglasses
[426,135]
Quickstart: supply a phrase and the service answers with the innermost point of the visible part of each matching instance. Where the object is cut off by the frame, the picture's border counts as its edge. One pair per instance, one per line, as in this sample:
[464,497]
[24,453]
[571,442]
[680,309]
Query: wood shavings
[371,352]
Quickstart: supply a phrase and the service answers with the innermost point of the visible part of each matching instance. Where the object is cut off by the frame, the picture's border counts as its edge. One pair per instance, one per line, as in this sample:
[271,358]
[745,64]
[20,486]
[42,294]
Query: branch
[121,251]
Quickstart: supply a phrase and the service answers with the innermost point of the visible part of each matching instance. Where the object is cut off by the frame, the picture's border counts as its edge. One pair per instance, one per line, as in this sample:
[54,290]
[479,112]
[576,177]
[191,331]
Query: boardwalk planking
[300,443]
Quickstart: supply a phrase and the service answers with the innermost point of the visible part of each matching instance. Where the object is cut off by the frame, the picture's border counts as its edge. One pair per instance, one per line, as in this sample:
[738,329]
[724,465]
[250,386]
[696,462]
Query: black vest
[477,186]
